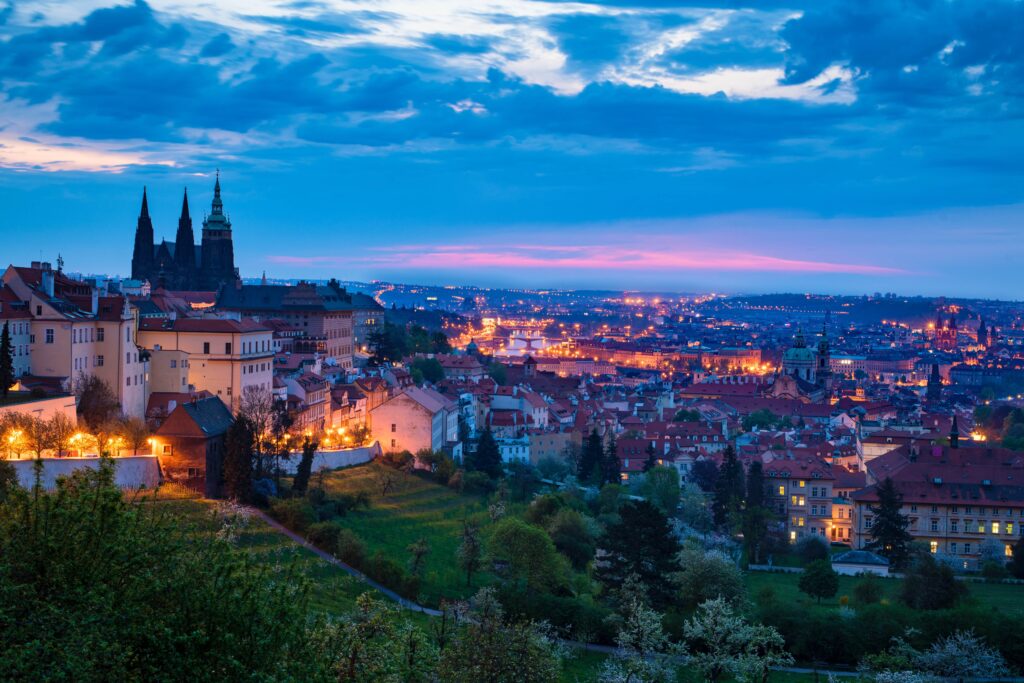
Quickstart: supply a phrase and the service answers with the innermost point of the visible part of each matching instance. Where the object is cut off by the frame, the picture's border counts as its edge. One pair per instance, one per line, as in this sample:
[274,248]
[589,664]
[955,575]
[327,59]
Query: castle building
[183,264]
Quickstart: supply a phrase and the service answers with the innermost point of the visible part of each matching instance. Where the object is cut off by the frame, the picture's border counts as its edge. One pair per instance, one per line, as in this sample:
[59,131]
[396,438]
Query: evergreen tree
[238,459]
[487,458]
[819,580]
[640,543]
[590,460]
[728,502]
[301,481]
[889,535]
[755,513]
[612,468]
[6,360]
[652,460]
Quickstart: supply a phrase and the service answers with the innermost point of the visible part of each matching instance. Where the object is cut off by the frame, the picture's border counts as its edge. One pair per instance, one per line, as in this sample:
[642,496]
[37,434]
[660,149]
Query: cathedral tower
[184,246]
[142,256]
[218,253]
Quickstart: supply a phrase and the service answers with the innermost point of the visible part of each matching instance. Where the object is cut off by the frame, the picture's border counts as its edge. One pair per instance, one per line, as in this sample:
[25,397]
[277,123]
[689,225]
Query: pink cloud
[589,258]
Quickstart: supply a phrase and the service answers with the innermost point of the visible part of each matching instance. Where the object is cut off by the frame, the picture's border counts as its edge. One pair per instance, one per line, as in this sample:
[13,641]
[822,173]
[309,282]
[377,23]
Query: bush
[295,513]
[994,571]
[868,590]
[706,575]
[930,584]
[324,535]
[477,483]
[350,549]
[393,575]
[811,549]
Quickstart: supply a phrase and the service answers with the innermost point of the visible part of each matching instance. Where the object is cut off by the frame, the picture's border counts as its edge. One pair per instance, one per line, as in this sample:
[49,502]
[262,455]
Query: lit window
[933,546]
[995,527]
[782,490]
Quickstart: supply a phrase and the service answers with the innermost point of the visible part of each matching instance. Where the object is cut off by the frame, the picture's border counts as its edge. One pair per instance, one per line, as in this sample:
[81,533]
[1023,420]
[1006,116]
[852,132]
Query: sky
[825,146]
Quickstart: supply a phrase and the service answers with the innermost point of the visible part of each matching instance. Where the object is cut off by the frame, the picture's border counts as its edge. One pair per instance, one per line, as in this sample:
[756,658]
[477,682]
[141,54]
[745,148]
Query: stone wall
[332,460]
[130,471]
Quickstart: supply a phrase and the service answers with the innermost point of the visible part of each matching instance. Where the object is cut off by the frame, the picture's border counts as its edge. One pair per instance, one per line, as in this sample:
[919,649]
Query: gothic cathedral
[182,264]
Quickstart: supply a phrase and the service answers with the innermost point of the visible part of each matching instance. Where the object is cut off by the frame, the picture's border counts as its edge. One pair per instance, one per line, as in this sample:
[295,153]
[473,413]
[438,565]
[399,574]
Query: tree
[488,648]
[572,536]
[729,491]
[720,642]
[652,457]
[590,459]
[687,415]
[760,419]
[418,549]
[135,432]
[704,474]
[62,430]
[1017,561]
[661,487]
[707,575]
[470,550]
[529,554]
[643,647]
[6,360]
[388,343]
[97,403]
[301,481]
[693,509]
[755,513]
[428,369]
[640,543]
[811,549]
[889,535]
[375,643]
[929,584]
[819,580]
[257,405]
[610,465]
[238,459]
[498,372]
[487,457]
[65,553]
[963,655]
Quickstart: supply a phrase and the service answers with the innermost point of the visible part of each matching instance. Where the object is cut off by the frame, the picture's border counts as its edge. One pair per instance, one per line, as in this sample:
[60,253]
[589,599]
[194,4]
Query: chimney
[47,282]
[95,303]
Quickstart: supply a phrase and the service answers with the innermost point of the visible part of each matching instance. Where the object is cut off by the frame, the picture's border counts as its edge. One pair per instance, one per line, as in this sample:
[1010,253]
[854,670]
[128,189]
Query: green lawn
[415,509]
[333,590]
[1008,598]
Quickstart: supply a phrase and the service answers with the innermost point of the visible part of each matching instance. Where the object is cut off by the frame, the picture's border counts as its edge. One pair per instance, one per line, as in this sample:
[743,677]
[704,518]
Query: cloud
[568,258]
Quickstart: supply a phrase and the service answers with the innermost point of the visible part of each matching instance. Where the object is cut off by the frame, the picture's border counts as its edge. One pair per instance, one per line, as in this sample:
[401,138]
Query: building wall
[402,424]
[224,373]
[45,408]
[20,330]
[168,371]
[803,506]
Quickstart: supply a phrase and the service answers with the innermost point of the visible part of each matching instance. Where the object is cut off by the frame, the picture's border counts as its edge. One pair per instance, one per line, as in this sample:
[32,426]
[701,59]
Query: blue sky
[826,146]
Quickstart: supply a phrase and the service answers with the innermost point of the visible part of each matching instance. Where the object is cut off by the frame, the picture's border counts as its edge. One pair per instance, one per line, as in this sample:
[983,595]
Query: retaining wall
[130,472]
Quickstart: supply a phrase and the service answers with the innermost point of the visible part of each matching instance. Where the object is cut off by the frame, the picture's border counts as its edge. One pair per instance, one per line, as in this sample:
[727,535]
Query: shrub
[706,576]
[930,584]
[295,513]
[350,548]
[819,580]
[324,535]
[393,575]
[868,590]
[477,483]
[994,571]
[811,549]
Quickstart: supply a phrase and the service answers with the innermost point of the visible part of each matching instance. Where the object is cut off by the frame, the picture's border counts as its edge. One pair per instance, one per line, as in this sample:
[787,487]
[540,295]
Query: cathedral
[806,373]
[183,264]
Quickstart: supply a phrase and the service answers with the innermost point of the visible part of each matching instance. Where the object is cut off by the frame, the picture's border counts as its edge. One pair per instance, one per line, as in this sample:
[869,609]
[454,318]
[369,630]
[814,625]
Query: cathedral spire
[142,255]
[184,241]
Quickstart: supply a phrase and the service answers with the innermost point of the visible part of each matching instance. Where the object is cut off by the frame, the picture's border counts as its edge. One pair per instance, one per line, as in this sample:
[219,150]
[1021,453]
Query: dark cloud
[218,46]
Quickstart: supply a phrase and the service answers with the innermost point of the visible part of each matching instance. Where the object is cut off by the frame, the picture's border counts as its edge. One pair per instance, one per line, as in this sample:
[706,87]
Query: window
[933,546]
[193,472]
[981,526]
[782,490]
[802,483]
[995,527]
[392,443]
[1009,527]
[99,334]
[167,448]
[967,548]
[867,521]
[49,335]
[99,361]
[954,525]
[913,508]
[935,509]
[127,334]
[394,427]
[174,363]
[935,525]
[206,347]
[227,348]
[952,548]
